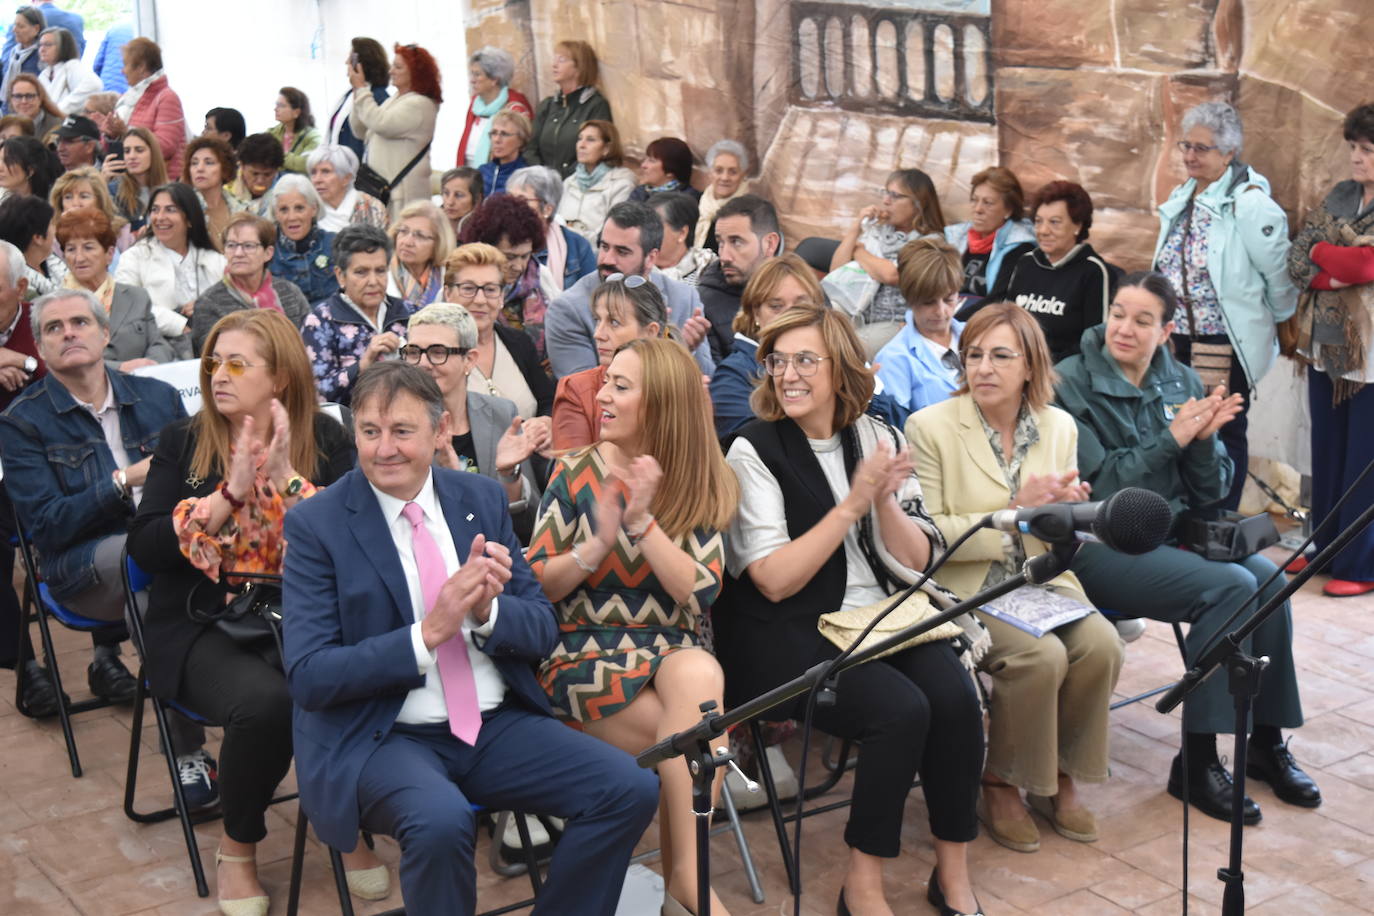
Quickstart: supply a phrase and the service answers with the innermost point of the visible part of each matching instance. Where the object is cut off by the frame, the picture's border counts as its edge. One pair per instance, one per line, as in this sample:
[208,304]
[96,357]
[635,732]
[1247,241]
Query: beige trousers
[1049,702]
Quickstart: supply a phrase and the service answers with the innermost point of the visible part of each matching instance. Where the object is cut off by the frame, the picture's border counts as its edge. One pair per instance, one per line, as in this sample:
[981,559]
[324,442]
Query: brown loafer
[1079,825]
[1019,834]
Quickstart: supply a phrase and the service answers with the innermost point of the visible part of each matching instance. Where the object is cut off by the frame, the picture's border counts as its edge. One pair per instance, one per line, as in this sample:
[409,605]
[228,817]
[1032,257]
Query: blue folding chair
[135,581]
[39,603]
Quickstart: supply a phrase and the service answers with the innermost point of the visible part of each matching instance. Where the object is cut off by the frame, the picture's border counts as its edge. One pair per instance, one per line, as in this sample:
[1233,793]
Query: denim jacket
[308,263]
[58,469]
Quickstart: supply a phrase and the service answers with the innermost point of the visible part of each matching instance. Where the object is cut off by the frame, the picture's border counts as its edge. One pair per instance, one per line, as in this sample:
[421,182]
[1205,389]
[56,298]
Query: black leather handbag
[370,181]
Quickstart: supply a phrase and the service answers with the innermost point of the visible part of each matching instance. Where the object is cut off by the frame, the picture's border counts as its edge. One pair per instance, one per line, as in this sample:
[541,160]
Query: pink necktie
[455,668]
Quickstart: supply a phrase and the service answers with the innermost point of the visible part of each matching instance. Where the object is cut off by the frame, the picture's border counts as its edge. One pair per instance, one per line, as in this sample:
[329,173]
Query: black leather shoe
[110,680]
[935,896]
[40,694]
[1211,792]
[1276,766]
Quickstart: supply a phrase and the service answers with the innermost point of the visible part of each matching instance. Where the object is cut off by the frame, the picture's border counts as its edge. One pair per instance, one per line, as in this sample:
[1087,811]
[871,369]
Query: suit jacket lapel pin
[469,516]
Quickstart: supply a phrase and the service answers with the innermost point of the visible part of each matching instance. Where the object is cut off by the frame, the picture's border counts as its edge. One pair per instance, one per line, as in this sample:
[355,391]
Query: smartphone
[116,149]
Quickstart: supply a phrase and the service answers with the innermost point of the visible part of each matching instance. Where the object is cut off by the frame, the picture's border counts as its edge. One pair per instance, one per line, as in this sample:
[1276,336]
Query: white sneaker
[1131,628]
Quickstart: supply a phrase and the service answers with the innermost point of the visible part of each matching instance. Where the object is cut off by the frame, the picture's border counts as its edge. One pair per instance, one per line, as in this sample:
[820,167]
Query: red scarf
[264,298]
[979,243]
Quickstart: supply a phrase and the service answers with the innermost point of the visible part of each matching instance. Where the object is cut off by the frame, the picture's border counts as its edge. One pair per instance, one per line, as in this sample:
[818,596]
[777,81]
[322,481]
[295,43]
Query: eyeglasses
[1187,147]
[23,96]
[470,290]
[806,363]
[517,256]
[635,281]
[231,247]
[437,354]
[235,364]
[405,232]
[1000,357]
[504,133]
[888,197]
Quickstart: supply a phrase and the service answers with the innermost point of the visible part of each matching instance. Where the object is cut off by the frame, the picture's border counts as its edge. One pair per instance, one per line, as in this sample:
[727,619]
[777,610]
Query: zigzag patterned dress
[620,622]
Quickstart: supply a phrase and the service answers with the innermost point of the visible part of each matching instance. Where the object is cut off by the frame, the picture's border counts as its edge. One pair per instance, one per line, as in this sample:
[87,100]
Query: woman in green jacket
[1145,420]
[560,116]
[295,129]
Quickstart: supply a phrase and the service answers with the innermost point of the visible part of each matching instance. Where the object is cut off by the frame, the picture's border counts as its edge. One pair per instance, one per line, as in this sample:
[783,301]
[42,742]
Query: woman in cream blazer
[1048,715]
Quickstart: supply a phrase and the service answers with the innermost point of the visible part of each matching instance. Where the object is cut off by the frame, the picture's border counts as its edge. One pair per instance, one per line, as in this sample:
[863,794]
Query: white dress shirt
[426,705]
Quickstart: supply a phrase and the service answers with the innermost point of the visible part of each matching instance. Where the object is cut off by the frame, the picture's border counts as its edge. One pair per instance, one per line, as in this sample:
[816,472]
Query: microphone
[1131,521]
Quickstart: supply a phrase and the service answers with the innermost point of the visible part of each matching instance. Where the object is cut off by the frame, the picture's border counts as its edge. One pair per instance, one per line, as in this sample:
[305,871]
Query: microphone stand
[695,742]
[1243,682]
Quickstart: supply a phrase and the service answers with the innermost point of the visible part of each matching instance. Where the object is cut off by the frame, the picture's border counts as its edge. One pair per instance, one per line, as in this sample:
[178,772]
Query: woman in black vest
[831,517]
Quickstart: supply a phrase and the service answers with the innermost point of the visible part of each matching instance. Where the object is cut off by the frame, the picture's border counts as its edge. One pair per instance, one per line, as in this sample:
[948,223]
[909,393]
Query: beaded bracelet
[234,504]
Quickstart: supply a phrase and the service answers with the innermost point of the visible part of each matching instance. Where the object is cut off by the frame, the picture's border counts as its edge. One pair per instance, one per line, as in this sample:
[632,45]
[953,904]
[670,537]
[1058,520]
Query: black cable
[814,692]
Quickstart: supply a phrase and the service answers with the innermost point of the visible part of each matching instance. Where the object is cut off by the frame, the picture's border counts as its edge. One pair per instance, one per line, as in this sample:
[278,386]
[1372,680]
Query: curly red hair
[424,71]
[504,216]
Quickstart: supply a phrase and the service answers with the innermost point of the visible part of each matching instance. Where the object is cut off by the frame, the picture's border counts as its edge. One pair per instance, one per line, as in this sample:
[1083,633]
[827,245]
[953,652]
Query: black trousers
[915,711]
[244,691]
[1234,435]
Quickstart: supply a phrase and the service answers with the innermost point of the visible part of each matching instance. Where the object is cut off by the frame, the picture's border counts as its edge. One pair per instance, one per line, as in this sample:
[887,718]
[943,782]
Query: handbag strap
[400,176]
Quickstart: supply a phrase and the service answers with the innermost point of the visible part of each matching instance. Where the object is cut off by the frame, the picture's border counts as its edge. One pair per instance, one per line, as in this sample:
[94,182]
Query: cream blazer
[963,482]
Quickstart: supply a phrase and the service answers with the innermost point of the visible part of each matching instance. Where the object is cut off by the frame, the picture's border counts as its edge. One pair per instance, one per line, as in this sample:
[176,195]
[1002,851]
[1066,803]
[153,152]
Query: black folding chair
[1113,617]
[135,580]
[39,603]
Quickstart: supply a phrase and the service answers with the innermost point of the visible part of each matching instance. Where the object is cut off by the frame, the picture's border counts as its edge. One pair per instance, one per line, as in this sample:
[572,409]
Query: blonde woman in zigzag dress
[628,548]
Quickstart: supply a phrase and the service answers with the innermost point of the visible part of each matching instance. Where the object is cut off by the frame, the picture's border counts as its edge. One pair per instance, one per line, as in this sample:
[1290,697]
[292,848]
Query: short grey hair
[62,295]
[13,258]
[293,183]
[1222,120]
[358,238]
[545,182]
[344,160]
[448,315]
[732,147]
[496,63]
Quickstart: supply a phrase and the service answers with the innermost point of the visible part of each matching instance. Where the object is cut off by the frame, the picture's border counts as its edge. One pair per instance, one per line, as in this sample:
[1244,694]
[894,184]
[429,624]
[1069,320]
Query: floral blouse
[249,541]
[336,334]
[1186,247]
[1023,437]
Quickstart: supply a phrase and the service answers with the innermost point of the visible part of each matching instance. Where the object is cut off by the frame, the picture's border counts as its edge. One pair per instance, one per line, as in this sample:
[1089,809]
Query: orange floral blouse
[249,541]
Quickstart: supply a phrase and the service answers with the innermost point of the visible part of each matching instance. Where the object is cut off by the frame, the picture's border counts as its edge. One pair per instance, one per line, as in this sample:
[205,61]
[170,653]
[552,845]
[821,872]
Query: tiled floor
[66,847]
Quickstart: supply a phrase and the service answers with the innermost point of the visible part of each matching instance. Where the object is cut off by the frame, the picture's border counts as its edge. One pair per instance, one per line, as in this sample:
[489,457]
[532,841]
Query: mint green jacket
[1247,259]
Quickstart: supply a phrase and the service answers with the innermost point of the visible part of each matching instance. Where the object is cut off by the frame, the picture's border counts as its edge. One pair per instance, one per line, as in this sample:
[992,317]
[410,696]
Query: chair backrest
[183,375]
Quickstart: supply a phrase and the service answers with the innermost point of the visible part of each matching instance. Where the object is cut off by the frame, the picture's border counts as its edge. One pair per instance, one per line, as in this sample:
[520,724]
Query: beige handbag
[1212,363]
[843,627]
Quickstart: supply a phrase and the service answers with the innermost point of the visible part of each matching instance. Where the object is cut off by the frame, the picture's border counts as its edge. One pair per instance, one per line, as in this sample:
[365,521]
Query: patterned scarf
[1338,320]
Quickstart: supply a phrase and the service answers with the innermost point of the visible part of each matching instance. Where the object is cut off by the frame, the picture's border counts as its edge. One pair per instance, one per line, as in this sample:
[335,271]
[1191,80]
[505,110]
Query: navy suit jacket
[346,631]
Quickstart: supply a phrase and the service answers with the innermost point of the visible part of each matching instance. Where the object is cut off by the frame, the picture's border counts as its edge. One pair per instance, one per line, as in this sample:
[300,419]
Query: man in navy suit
[415,692]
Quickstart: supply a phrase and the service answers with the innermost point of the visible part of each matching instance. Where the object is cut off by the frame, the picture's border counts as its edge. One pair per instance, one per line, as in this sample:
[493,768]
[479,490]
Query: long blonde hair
[284,352]
[698,489]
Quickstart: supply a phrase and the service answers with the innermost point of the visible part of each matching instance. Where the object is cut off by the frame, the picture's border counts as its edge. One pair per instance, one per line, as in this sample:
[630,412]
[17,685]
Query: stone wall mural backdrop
[830,95]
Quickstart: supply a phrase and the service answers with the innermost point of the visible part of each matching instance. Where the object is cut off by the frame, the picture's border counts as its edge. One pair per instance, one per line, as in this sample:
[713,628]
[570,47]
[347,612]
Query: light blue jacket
[1247,259]
[569,324]
[911,372]
[1012,233]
